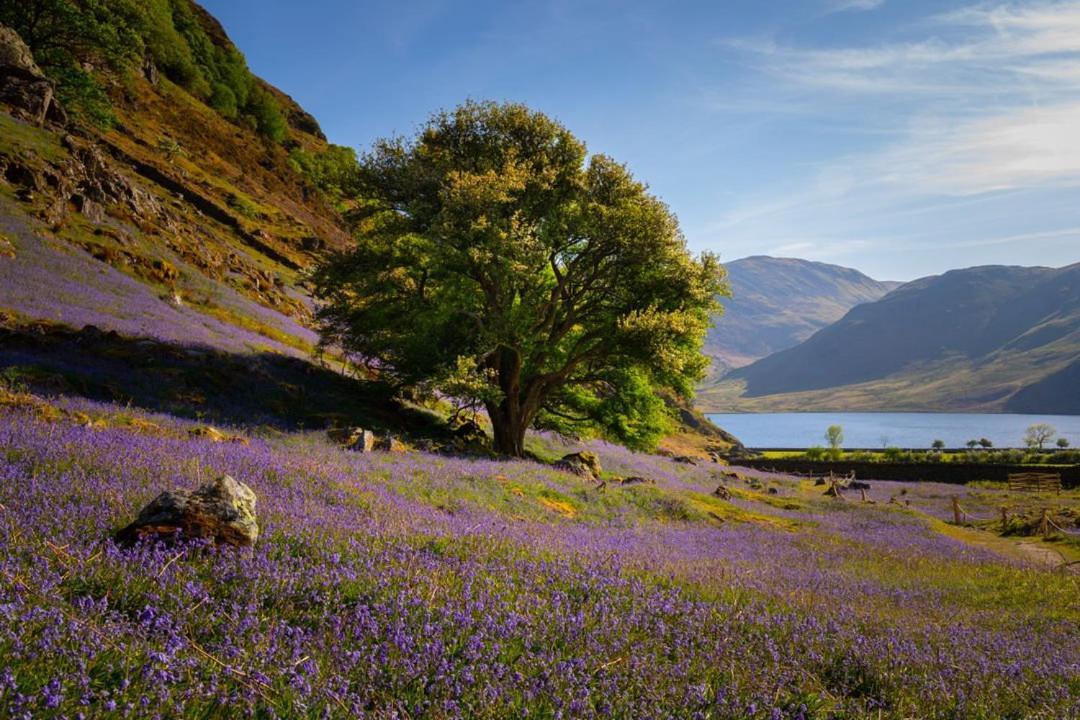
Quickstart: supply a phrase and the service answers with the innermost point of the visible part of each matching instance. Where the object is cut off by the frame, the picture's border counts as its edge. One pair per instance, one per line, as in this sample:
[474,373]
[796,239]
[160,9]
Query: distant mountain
[779,302]
[985,338]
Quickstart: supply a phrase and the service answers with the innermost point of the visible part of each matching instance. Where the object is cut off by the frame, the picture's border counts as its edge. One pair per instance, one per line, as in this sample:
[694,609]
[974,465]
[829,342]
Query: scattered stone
[469,431]
[722,492]
[427,445]
[353,438]
[583,464]
[222,510]
[388,443]
[773,491]
[208,432]
[685,460]
[635,480]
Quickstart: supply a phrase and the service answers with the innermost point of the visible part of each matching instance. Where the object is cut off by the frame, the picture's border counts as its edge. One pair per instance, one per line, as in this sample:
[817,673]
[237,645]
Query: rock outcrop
[22,84]
[353,438]
[222,511]
[583,464]
[388,443]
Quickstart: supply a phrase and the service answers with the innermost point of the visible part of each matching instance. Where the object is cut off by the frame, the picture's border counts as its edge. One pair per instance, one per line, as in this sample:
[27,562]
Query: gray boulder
[22,84]
[222,510]
[353,438]
[583,464]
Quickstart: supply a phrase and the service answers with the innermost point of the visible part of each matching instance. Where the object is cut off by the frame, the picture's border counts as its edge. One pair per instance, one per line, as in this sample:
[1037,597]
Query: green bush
[267,117]
[223,99]
[334,171]
[116,35]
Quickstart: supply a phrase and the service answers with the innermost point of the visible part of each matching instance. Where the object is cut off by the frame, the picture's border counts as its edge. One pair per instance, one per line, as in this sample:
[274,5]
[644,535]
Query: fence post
[1004,517]
[956,510]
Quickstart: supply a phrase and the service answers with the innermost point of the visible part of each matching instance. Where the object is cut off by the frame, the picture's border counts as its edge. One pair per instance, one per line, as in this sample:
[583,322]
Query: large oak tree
[495,258]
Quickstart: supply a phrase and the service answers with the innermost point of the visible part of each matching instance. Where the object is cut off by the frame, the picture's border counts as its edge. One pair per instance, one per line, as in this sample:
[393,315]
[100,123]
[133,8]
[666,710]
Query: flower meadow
[53,281]
[422,586]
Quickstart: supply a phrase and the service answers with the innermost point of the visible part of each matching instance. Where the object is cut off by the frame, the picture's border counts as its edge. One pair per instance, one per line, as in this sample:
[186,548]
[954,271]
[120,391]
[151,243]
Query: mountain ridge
[969,339]
[759,320]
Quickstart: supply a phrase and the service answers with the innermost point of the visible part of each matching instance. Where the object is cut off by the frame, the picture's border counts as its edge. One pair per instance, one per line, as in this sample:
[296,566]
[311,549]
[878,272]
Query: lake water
[875,430]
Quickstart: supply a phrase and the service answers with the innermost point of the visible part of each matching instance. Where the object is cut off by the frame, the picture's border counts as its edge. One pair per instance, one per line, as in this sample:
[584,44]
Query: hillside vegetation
[430,587]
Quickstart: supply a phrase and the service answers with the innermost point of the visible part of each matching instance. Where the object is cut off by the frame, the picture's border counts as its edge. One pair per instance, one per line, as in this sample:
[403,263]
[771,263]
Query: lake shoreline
[877,430]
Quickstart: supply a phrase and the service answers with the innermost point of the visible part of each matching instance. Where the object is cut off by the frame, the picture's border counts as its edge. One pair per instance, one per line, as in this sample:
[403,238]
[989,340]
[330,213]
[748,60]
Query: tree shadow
[202,383]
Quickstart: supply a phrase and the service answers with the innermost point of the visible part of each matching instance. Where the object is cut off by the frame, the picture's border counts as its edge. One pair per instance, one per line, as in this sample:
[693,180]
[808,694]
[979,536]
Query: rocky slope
[986,338]
[201,211]
[161,260]
[777,303]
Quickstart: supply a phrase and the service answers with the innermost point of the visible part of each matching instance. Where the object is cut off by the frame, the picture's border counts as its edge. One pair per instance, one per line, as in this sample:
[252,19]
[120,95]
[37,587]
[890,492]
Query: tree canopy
[494,260]
[1037,435]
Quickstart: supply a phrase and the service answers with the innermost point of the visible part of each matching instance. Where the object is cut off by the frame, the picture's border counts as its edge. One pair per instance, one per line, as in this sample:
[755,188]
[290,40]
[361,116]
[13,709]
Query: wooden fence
[1035,482]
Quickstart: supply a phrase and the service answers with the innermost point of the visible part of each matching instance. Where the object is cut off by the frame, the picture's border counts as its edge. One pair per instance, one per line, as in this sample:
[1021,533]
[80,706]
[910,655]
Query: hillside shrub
[335,171]
[66,37]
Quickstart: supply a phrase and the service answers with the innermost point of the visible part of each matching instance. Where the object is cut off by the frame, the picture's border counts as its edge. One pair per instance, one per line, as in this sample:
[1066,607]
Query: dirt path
[1046,557]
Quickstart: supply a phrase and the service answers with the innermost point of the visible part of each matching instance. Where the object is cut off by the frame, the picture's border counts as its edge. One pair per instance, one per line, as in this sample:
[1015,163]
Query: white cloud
[843,5]
[991,101]
[1021,147]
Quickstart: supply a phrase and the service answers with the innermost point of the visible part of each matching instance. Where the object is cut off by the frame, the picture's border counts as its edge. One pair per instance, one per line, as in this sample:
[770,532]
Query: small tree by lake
[972,444]
[1037,435]
[834,435]
[1062,443]
[938,445]
[985,443]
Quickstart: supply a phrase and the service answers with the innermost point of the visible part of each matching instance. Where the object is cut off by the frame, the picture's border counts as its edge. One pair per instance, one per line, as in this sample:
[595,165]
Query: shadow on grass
[201,383]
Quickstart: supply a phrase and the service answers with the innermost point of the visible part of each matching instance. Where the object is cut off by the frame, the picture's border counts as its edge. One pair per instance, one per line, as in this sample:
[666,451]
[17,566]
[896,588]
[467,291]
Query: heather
[417,585]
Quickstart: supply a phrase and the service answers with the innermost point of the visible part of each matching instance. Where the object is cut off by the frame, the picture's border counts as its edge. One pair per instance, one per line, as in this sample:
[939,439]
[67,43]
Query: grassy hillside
[415,585]
[777,303]
[973,339]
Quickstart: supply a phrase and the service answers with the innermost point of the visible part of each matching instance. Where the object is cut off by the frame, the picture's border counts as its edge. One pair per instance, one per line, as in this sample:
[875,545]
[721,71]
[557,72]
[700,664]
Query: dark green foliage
[263,115]
[82,95]
[492,253]
[223,99]
[116,35]
[335,171]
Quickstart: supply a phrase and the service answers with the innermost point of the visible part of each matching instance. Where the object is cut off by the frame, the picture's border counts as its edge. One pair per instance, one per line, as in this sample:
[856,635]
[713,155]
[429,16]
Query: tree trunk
[509,419]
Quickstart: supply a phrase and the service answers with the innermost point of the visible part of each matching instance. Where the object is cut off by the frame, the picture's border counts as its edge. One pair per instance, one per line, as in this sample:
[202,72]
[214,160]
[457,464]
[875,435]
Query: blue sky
[900,137]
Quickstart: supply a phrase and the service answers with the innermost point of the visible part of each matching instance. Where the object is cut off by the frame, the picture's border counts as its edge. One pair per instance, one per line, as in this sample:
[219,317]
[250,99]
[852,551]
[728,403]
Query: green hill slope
[985,338]
[777,303]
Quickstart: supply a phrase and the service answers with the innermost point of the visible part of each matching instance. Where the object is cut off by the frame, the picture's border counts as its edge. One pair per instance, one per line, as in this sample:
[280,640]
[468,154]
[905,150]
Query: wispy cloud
[845,5]
[981,100]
